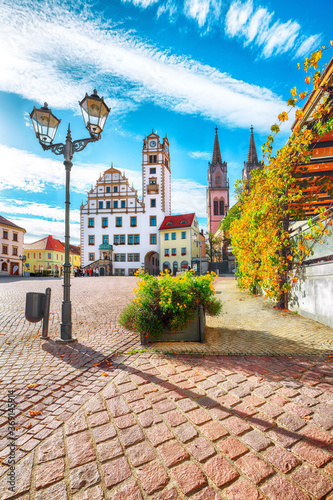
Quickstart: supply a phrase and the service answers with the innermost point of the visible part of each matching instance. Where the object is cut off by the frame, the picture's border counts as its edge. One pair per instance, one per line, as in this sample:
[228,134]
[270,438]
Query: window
[218,179]
[28,256]
[116,257]
[152,170]
[122,257]
[39,255]
[222,207]
[116,239]
[216,207]
[166,252]
[5,235]
[91,222]
[14,250]
[153,220]
[115,204]
[123,203]
[153,203]
[105,239]
[136,257]
[14,236]
[169,223]
[34,255]
[122,239]
[91,256]
[136,239]
[5,249]
[4,267]
[91,240]
[183,252]
[57,257]
[100,204]
[153,239]
[108,189]
[130,239]
[183,235]
[173,236]
[108,204]
[152,182]
[49,256]
[130,257]
[104,222]
[166,236]
[119,221]
[173,252]
[133,221]
[115,189]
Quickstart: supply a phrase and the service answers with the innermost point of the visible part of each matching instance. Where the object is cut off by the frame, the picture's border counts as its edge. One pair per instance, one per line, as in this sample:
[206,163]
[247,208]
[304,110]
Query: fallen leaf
[31,386]
[104,374]
[35,412]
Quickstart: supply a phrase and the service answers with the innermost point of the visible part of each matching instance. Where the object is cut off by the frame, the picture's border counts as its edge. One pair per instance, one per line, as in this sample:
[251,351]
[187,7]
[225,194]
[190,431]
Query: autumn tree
[282,192]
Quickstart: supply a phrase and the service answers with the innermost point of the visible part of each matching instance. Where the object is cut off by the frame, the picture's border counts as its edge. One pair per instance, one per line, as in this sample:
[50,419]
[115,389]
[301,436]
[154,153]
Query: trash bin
[34,306]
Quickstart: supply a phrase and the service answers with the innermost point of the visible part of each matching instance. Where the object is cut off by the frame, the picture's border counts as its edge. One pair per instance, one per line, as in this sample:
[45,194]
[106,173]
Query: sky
[178,67]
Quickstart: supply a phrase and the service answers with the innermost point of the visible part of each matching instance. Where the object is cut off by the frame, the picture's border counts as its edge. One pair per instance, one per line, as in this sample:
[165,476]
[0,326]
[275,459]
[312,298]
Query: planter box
[195,332]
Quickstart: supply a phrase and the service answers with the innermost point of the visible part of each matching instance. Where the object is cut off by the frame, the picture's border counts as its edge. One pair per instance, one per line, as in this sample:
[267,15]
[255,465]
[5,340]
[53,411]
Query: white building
[119,232]
[11,248]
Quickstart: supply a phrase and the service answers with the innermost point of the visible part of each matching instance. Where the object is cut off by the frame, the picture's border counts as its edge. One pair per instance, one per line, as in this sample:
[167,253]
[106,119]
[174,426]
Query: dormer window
[183,221]
[169,223]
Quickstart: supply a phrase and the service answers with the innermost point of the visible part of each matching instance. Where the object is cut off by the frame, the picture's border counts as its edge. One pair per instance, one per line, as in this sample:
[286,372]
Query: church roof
[252,156]
[177,221]
[217,157]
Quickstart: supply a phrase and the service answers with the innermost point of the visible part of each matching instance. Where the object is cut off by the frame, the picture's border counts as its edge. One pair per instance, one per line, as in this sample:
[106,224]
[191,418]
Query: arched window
[218,179]
[184,265]
[221,206]
[216,207]
[4,267]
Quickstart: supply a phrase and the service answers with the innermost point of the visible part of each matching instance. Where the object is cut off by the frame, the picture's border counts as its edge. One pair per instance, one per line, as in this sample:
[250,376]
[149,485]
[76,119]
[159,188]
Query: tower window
[115,189]
[216,207]
[152,170]
[153,203]
[108,189]
[218,179]
[152,158]
[222,207]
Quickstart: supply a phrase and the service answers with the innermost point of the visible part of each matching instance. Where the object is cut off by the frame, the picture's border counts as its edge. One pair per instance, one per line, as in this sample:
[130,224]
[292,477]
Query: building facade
[46,257]
[179,242]
[252,160]
[11,248]
[119,232]
[218,189]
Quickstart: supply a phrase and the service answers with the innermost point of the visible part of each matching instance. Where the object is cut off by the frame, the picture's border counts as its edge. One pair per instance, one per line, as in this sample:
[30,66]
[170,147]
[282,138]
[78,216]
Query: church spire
[252,157]
[217,157]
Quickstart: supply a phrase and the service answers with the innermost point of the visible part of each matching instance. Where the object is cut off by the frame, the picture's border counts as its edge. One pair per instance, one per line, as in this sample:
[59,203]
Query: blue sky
[178,67]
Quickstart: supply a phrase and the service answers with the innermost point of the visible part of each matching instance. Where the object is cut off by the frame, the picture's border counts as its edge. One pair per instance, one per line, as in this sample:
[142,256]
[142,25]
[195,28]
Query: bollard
[37,308]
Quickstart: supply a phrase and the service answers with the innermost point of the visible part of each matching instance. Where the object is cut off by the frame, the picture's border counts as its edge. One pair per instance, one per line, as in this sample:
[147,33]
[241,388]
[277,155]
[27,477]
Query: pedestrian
[90,272]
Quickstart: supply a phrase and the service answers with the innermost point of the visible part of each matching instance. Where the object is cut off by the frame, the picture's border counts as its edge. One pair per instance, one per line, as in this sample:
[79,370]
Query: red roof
[177,221]
[48,243]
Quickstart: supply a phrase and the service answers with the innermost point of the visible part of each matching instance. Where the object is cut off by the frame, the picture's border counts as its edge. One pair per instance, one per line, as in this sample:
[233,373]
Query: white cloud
[237,16]
[188,196]
[279,38]
[204,155]
[68,52]
[169,8]
[141,3]
[308,45]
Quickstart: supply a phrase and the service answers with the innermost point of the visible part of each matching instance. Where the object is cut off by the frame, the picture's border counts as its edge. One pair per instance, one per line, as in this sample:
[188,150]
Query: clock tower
[156,175]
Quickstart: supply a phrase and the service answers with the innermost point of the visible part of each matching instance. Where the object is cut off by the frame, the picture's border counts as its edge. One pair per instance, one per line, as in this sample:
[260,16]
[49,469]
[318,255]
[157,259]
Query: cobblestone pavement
[157,426]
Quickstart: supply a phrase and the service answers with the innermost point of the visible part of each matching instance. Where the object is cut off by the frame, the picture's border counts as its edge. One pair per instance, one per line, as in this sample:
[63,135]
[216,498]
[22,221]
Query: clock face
[152,144]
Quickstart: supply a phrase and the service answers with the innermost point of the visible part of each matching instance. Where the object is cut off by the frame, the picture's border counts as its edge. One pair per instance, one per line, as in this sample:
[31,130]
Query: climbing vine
[268,253]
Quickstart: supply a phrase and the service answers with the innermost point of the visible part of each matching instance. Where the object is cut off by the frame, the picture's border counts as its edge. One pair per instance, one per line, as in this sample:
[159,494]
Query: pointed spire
[252,157]
[217,157]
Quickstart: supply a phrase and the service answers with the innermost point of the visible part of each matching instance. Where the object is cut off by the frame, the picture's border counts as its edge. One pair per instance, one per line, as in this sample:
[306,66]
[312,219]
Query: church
[119,231]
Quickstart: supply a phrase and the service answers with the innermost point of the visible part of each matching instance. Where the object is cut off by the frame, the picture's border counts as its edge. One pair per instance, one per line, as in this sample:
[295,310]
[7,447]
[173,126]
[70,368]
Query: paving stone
[271,410]
[172,453]
[199,416]
[104,432]
[283,437]
[50,472]
[278,400]
[232,447]
[84,476]
[149,418]
[117,406]
[298,410]
[76,424]
[125,421]
[220,413]
[116,471]
[316,436]
[170,494]
[206,494]
[98,419]
[279,487]
[244,410]
[311,454]
[152,477]
[52,448]
[236,425]
[94,405]
[189,477]
[95,493]
[110,449]
[131,435]
[213,430]
[159,434]
[80,450]
[322,420]
[164,406]
[23,472]
[257,440]
[281,459]
[313,481]
[130,491]
[174,418]
[201,449]
[220,471]
[229,400]
[141,454]
[254,468]
[185,432]
[242,490]
[56,492]
[186,404]
[140,406]
[261,422]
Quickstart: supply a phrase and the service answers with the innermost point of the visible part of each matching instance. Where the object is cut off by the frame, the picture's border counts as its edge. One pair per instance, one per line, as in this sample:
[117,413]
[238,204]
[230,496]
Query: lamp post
[23,258]
[94,112]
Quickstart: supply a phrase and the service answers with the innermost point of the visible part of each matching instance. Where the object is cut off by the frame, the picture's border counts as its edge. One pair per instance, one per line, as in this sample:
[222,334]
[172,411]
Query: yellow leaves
[293,91]
[33,413]
[104,374]
[32,386]
[307,80]
[283,116]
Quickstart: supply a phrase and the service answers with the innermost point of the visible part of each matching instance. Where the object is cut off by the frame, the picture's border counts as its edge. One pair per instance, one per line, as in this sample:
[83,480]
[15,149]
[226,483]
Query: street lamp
[23,258]
[45,123]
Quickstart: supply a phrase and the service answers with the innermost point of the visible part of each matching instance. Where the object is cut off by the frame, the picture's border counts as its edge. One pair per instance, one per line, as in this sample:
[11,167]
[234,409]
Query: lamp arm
[80,144]
[57,149]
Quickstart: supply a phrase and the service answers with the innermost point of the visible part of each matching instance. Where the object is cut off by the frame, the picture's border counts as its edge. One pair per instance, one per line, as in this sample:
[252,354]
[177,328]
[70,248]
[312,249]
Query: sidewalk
[154,426]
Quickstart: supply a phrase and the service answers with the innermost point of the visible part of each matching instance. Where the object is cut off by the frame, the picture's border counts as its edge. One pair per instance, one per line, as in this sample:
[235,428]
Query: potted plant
[168,308]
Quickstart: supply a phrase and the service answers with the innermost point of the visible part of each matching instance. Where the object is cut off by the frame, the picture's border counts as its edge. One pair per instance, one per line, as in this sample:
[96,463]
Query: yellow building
[179,242]
[11,248]
[46,257]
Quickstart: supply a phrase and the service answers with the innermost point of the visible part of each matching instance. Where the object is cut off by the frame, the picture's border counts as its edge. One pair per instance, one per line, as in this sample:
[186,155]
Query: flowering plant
[168,303]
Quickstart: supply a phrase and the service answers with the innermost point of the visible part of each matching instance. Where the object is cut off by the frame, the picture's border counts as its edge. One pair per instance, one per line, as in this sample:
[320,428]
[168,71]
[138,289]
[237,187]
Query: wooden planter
[195,332]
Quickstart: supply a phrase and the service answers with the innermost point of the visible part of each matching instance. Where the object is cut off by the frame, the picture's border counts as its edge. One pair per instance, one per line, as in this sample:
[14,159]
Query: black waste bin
[34,306]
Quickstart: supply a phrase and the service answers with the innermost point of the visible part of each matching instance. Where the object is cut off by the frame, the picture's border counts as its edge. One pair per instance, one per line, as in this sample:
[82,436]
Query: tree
[213,242]
[261,236]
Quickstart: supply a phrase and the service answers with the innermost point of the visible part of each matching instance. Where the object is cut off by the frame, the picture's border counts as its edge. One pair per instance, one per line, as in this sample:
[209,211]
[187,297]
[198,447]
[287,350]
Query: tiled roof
[177,221]
[48,243]
[8,223]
